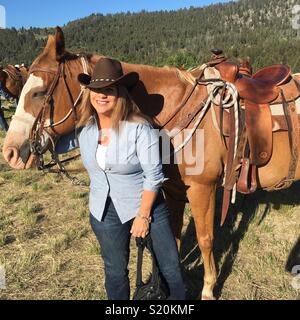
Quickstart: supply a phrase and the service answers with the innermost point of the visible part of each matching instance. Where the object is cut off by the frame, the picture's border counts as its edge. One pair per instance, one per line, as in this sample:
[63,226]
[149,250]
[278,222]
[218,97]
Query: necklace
[103,137]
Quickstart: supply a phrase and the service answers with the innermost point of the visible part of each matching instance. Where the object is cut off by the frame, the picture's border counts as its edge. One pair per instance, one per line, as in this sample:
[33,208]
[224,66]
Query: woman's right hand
[140,227]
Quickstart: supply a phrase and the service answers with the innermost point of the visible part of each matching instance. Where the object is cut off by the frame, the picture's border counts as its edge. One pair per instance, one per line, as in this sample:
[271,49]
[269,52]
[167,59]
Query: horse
[13,79]
[164,93]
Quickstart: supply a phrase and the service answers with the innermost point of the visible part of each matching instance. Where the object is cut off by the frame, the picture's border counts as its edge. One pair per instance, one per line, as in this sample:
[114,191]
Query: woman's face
[104,100]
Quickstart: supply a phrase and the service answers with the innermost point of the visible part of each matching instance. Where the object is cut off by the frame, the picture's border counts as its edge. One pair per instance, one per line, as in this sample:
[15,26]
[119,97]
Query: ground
[48,250]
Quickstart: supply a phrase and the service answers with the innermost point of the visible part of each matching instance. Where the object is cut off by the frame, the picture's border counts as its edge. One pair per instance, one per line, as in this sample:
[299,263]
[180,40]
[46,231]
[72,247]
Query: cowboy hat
[108,72]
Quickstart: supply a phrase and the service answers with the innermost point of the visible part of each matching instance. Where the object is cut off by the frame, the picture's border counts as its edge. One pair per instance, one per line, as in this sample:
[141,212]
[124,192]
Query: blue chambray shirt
[132,164]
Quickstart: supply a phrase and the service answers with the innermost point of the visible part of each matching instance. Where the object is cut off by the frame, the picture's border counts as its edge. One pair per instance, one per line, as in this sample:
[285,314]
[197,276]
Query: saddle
[262,87]
[270,86]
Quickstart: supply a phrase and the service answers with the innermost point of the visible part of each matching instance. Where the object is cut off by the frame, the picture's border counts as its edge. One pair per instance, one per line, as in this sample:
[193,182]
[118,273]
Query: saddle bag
[155,288]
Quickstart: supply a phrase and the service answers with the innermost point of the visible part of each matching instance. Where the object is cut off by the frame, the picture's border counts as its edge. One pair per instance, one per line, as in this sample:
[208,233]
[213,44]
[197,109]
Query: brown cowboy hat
[108,72]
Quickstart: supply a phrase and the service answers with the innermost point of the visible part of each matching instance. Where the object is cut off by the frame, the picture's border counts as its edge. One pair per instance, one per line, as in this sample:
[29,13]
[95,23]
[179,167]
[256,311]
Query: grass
[11,199]
[28,213]
[2,239]
[64,241]
[49,251]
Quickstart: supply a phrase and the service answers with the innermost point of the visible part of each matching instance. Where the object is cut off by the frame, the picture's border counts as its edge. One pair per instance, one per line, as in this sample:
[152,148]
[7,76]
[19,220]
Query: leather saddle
[270,85]
[273,85]
[260,88]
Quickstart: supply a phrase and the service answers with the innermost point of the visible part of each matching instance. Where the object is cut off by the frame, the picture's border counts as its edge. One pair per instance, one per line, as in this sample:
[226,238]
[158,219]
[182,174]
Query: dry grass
[49,251]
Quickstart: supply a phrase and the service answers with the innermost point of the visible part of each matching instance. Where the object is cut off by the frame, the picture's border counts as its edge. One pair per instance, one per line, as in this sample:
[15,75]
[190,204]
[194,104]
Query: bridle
[39,128]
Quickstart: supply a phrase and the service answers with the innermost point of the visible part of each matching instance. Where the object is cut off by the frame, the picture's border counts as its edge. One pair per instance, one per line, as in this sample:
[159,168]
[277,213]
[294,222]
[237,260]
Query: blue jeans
[114,239]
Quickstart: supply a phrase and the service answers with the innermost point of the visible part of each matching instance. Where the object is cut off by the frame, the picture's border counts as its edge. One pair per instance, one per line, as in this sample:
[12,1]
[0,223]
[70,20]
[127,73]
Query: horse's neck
[162,89]
[149,74]
[163,76]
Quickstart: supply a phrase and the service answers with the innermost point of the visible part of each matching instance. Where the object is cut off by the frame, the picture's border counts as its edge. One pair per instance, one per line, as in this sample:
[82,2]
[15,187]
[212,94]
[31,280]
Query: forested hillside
[260,29]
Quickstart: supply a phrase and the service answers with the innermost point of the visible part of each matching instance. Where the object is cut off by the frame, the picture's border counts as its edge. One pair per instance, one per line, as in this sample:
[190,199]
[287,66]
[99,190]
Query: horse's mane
[183,75]
[88,55]
[69,56]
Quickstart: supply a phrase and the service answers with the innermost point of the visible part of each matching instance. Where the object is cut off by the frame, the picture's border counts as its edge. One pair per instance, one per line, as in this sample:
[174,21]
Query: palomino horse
[52,86]
[13,79]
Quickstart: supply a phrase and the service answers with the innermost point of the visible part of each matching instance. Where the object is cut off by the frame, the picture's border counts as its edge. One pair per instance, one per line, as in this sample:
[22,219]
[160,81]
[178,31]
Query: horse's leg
[202,203]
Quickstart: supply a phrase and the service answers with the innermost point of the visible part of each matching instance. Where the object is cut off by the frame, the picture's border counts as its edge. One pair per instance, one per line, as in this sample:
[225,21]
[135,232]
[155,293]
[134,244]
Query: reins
[37,136]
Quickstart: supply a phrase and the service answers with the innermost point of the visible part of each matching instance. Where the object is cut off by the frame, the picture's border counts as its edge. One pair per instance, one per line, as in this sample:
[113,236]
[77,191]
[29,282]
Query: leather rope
[212,63]
[229,102]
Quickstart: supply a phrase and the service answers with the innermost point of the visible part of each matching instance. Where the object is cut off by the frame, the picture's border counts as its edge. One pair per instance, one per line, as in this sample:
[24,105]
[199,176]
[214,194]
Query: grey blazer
[132,161]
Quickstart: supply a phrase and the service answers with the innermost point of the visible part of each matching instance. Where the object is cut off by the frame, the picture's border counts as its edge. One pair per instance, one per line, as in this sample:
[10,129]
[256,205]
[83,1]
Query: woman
[120,150]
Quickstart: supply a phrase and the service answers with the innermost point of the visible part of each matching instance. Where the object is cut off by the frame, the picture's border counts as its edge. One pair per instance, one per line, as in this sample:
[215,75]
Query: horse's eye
[38,94]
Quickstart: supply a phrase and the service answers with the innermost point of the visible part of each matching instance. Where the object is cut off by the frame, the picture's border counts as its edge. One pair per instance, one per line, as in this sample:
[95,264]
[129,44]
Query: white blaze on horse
[21,126]
[179,100]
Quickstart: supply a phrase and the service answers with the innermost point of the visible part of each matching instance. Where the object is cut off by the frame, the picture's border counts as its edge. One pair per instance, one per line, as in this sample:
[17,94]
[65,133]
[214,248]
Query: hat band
[100,80]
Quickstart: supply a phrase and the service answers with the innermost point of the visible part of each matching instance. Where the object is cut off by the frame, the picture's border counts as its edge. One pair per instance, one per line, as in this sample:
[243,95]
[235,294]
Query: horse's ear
[55,47]
[60,43]
[50,49]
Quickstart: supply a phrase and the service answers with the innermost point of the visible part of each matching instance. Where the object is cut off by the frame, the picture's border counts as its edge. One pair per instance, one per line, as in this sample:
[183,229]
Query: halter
[36,135]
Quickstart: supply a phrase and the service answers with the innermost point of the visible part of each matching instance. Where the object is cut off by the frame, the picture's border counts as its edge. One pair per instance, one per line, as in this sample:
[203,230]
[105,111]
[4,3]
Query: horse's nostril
[11,155]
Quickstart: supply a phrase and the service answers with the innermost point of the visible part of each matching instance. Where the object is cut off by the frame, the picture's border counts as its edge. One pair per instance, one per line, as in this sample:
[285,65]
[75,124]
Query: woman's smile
[104,100]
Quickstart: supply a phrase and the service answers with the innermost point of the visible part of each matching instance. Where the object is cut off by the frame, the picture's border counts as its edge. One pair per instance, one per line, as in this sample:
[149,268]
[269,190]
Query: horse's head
[45,109]
[12,79]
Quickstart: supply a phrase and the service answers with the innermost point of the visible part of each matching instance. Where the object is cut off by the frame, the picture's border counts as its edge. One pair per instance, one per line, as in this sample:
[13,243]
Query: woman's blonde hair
[125,110]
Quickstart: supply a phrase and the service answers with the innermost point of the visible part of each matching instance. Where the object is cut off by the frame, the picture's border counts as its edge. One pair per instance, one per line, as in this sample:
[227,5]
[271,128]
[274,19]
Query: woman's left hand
[140,227]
